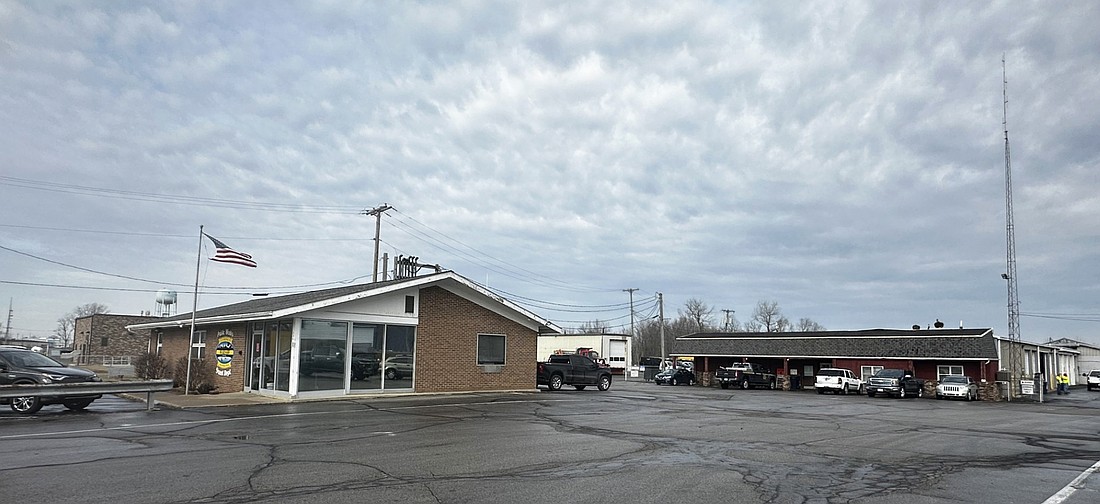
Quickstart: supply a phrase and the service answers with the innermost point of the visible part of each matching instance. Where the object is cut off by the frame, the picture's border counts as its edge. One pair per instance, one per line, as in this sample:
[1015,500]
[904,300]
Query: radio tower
[1015,359]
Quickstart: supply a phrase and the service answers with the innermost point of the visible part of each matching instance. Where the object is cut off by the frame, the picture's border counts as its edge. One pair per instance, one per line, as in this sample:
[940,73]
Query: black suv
[19,366]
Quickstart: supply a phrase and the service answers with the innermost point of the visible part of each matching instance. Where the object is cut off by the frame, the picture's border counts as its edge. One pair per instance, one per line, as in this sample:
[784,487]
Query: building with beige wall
[435,333]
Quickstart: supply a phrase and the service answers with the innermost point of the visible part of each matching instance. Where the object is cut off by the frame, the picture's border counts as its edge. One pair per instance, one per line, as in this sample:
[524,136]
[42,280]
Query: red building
[930,354]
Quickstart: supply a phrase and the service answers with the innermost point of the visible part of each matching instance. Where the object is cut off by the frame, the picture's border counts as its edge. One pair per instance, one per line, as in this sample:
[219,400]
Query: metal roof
[870,343]
[288,305]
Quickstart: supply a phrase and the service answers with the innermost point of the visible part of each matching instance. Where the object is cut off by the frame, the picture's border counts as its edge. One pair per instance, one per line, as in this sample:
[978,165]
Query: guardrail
[88,388]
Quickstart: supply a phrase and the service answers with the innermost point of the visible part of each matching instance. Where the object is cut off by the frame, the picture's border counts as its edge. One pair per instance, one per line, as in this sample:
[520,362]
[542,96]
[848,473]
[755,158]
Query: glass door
[398,366]
[366,357]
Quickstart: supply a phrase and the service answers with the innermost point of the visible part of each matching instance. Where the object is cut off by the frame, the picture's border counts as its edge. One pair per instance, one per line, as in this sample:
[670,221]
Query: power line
[174,198]
[505,268]
[121,289]
[165,235]
[553,304]
[126,277]
[1074,317]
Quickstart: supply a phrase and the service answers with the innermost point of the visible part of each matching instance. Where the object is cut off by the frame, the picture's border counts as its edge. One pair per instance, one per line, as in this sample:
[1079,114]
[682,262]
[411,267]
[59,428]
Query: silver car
[957,386]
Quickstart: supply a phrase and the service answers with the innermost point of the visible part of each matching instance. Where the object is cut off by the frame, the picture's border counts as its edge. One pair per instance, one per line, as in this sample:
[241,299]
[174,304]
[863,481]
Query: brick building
[105,335]
[436,333]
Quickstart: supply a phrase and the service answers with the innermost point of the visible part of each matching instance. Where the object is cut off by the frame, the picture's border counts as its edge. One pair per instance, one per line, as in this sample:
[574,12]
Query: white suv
[837,380]
[1093,379]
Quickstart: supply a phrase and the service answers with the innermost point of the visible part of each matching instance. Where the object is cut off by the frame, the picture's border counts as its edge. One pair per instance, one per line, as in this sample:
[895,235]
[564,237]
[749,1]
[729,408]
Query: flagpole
[194,308]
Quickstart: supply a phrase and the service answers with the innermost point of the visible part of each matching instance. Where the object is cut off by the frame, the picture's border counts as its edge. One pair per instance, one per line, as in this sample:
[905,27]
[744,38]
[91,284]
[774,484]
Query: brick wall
[90,332]
[175,348]
[446,346]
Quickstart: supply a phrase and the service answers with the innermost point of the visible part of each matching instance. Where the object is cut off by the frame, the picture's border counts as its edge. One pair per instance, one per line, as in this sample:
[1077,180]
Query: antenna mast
[1015,359]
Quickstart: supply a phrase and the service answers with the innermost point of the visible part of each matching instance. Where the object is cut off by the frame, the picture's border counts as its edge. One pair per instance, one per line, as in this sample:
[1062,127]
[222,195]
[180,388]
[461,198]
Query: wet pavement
[636,442]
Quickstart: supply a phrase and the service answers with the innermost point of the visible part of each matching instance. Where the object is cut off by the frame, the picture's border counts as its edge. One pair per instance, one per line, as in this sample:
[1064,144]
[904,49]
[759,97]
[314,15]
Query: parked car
[398,366]
[1092,379]
[837,381]
[895,382]
[20,366]
[957,386]
[675,376]
[330,358]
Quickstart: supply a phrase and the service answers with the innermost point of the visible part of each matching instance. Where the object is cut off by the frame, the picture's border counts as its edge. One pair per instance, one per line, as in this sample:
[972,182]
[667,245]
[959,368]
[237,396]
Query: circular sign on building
[224,353]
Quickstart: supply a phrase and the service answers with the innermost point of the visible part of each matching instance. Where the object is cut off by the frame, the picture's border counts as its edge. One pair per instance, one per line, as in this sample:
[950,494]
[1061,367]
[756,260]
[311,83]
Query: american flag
[223,253]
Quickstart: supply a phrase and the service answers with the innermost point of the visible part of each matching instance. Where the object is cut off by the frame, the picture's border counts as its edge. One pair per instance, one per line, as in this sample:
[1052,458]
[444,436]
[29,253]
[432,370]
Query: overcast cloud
[843,159]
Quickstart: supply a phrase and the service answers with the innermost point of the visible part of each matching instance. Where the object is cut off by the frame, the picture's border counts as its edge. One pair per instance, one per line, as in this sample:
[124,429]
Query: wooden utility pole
[632,341]
[377,213]
[726,327]
[661,324]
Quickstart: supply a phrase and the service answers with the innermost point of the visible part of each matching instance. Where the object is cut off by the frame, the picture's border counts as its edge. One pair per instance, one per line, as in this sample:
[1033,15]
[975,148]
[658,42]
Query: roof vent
[938,324]
[916,327]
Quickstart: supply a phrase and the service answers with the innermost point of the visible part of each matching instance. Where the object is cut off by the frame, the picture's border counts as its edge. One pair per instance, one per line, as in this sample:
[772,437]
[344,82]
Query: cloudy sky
[845,160]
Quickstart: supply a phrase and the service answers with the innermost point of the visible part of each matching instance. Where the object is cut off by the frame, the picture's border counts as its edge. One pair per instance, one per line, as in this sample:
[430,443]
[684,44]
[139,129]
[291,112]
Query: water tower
[166,299]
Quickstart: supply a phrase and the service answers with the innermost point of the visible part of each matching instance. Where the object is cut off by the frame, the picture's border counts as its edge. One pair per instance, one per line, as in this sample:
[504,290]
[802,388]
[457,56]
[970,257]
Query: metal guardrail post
[90,388]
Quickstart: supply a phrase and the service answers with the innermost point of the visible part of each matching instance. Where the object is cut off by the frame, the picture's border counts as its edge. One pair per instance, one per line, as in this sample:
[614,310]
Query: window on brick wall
[490,349]
[103,341]
[198,345]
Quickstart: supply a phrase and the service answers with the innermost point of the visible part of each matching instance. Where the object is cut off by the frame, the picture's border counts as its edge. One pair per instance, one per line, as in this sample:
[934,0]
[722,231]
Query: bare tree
[769,317]
[64,330]
[648,341]
[808,325]
[594,327]
[699,313]
[67,324]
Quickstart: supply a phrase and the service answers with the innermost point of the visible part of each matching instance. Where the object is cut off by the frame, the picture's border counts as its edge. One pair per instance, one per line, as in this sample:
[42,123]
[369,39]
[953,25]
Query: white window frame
[951,368]
[198,342]
[504,357]
[866,372]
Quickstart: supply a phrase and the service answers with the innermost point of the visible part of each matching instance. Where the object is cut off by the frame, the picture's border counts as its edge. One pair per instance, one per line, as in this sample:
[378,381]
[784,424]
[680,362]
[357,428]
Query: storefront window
[323,354]
[399,364]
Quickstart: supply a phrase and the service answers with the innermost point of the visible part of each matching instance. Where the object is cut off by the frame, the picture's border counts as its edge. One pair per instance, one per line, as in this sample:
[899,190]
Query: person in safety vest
[1058,379]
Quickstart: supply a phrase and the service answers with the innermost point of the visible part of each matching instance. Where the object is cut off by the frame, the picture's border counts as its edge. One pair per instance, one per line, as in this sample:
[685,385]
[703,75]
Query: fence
[102,360]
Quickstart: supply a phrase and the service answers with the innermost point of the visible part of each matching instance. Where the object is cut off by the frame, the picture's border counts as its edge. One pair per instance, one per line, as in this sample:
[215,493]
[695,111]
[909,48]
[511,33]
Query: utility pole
[726,327]
[661,324]
[7,327]
[631,292]
[377,212]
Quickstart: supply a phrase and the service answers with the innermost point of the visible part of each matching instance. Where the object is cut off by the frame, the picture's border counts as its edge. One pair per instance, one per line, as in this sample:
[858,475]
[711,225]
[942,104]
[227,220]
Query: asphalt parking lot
[637,442]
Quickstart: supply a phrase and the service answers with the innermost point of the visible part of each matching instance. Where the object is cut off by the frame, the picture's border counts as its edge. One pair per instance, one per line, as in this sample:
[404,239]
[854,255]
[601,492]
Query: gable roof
[870,343]
[291,304]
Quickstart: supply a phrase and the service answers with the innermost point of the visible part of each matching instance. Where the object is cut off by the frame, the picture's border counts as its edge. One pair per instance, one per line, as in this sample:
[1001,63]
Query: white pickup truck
[837,381]
[1093,378]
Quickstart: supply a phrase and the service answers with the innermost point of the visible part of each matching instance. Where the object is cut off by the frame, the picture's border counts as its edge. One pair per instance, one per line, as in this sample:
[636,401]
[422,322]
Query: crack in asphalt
[777,471]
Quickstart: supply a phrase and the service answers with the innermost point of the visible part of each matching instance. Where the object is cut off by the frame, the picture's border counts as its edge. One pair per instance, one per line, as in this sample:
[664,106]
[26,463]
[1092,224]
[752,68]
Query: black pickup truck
[745,375]
[895,382]
[576,370]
